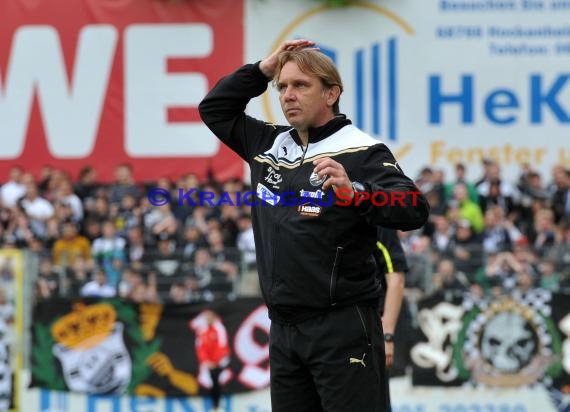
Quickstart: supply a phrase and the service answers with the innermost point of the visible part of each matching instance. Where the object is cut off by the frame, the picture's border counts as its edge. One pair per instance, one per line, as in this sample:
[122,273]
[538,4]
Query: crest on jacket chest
[315,180]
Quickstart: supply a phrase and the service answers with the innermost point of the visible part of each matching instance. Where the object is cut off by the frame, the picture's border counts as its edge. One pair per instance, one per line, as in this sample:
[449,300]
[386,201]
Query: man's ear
[332,95]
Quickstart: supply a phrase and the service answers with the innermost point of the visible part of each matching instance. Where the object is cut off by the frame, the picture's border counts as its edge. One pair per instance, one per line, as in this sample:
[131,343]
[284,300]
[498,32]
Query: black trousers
[334,362]
[216,391]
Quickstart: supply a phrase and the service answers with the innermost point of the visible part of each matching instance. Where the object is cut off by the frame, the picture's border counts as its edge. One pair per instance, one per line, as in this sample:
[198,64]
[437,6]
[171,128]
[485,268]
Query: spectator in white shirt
[65,195]
[98,287]
[35,206]
[38,209]
[13,189]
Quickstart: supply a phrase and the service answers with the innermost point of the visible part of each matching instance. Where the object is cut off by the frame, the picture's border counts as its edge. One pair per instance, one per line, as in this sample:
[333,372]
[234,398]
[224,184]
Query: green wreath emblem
[45,366]
[553,371]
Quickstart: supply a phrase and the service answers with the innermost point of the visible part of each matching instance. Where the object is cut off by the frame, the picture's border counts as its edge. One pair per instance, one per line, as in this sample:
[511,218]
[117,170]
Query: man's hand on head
[269,64]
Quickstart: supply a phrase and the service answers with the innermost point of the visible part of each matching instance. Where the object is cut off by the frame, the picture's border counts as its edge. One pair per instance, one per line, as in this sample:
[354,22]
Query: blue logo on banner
[375,73]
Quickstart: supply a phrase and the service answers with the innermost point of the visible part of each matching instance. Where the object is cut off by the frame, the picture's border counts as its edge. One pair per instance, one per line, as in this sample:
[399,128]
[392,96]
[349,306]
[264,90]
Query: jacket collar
[317,134]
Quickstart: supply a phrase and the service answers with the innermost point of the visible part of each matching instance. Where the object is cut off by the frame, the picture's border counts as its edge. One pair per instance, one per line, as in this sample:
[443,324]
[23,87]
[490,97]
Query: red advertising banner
[104,82]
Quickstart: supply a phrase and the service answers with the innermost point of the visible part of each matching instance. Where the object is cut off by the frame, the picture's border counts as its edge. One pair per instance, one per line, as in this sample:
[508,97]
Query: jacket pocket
[334,275]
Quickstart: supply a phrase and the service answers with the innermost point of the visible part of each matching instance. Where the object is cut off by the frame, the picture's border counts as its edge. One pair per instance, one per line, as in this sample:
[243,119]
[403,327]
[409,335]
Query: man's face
[69,231]
[100,277]
[303,101]
[15,174]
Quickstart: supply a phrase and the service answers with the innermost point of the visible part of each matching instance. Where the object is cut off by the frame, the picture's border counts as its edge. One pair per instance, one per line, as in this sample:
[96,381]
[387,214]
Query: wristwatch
[388,337]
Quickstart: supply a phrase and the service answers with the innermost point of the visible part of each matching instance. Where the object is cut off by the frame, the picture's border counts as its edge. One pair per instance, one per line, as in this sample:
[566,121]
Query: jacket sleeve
[223,111]
[394,200]
[393,253]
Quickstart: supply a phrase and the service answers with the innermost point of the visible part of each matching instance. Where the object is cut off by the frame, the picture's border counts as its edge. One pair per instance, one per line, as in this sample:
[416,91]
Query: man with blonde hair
[315,255]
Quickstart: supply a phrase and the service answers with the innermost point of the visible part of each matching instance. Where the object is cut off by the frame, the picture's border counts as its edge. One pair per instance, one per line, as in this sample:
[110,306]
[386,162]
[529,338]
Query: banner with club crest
[114,347]
[516,341]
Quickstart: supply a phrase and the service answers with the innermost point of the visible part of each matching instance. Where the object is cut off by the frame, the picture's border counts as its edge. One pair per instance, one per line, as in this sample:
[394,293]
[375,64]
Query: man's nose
[289,94]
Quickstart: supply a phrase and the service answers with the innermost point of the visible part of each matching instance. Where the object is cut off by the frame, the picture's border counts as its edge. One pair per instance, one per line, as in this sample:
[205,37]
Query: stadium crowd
[489,236]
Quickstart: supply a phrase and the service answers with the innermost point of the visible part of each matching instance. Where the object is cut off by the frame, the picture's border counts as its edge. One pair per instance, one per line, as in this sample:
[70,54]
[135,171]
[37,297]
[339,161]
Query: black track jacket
[312,254]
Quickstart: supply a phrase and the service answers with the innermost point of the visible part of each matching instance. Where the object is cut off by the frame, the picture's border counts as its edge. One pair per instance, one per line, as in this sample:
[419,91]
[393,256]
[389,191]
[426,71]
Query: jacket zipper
[334,275]
[276,226]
